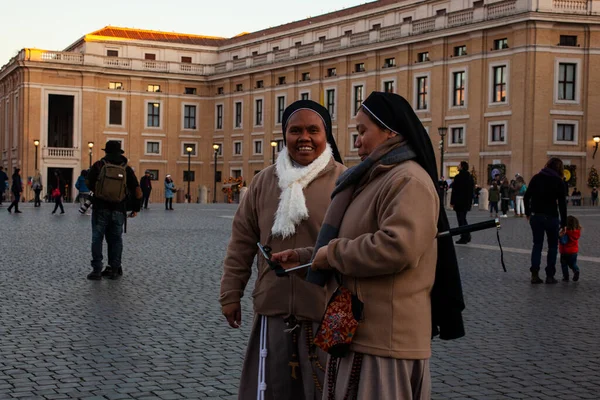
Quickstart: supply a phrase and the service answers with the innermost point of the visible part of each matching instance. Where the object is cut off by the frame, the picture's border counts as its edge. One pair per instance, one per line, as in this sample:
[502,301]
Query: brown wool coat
[274,296]
[387,251]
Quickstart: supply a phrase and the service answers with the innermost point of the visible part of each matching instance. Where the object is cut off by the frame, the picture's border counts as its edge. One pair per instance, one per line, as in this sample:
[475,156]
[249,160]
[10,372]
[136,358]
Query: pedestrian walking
[58,192]
[594,196]
[462,198]
[494,198]
[146,186]
[569,247]
[477,192]
[505,196]
[113,181]
[521,189]
[3,184]
[36,186]
[443,186]
[385,254]
[16,189]
[84,191]
[284,207]
[546,190]
[170,191]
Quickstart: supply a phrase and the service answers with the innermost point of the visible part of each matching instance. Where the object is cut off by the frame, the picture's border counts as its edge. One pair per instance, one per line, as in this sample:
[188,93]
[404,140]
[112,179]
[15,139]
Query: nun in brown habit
[379,240]
[283,208]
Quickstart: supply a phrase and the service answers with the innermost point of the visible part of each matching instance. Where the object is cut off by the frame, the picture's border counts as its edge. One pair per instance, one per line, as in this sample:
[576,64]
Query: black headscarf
[322,112]
[395,113]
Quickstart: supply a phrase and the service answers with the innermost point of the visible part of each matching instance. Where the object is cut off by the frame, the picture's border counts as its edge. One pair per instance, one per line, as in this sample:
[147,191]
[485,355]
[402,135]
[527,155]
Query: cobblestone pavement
[157,333]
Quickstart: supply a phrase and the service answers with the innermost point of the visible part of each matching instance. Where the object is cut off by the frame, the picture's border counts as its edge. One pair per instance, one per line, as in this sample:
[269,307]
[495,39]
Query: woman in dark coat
[16,189]
[59,183]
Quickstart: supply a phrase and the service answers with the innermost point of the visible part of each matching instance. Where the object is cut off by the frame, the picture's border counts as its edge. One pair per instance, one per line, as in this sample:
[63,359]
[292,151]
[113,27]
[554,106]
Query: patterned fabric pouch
[339,323]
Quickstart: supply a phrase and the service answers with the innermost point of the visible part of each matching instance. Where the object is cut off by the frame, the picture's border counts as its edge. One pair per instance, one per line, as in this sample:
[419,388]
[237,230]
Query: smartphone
[266,252]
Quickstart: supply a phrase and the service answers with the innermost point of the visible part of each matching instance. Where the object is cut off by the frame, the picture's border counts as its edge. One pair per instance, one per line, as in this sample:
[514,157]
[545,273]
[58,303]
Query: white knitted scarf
[292,180]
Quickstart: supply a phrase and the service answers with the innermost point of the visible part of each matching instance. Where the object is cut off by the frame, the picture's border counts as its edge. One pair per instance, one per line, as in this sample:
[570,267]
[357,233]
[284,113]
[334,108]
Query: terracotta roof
[309,21]
[157,36]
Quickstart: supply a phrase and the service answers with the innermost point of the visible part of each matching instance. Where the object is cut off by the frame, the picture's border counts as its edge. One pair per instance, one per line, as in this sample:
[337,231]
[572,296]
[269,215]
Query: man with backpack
[113,183]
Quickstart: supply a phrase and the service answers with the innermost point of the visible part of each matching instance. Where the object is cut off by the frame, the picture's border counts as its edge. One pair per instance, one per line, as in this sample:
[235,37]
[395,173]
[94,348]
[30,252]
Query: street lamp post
[90,146]
[216,149]
[36,143]
[189,174]
[273,146]
[442,131]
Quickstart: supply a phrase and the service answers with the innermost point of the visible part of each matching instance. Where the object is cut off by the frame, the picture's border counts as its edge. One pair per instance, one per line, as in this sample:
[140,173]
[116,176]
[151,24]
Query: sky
[54,25]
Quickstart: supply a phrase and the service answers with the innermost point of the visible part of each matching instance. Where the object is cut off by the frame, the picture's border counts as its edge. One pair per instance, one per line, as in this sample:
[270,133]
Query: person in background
[595,196]
[146,186]
[58,192]
[84,191]
[519,204]
[505,196]
[462,198]
[169,193]
[443,186]
[476,194]
[569,247]
[3,184]
[36,186]
[546,190]
[494,198]
[16,189]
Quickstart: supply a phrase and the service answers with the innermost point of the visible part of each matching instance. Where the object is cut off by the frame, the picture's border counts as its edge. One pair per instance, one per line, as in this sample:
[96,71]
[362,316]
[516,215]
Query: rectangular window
[153,147]
[388,86]
[566,81]
[189,117]
[306,76]
[149,56]
[258,121]
[280,108]
[115,112]
[219,116]
[238,114]
[112,53]
[331,72]
[190,90]
[460,51]
[275,48]
[236,173]
[280,145]
[258,147]
[220,90]
[423,57]
[389,62]
[376,26]
[281,80]
[348,32]
[239,87]
[260,84]
[191,146]
[115,85]
[153,88]
[237,148]
[458,88]
[497,133]
[500,44]
[422,93]
[358,98]
[185,59]
[154,115]
[153,174]
[568,40]
[565,132]
[304,96]
[235,57]
[360,67]
[499,84]
[254,53]
[457,136]
[189,176]
[330,101]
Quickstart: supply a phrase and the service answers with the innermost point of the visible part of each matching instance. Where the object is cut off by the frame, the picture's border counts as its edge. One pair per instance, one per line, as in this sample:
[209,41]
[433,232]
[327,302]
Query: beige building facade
[514,82]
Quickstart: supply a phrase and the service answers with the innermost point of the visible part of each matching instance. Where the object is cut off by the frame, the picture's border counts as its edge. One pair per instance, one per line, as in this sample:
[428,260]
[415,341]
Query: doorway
[60,120]
[67,175]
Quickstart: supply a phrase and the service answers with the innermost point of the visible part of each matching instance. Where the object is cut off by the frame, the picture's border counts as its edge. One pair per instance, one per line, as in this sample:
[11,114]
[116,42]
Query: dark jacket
[462,191]
[133,186]
[57,182]
[146,184]
[3,179]
[505,191]
[545,191]
[17,184]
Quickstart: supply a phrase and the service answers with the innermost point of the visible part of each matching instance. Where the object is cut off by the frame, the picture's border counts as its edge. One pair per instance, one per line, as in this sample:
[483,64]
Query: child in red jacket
[569,247]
